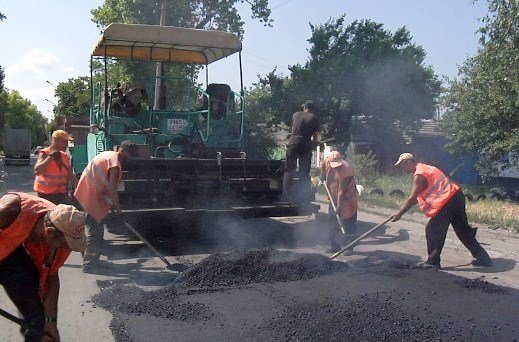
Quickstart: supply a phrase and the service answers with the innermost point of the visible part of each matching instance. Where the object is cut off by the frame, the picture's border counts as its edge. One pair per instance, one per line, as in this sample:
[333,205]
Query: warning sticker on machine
[177,125]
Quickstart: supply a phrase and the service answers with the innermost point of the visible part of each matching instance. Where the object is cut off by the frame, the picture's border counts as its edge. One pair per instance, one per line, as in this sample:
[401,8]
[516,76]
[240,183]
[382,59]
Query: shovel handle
[334,208]
[23,324]
[146,242]
[357,240]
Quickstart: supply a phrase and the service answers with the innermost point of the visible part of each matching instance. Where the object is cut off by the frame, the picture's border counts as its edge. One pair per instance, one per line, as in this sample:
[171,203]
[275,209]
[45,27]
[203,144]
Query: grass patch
[497,214]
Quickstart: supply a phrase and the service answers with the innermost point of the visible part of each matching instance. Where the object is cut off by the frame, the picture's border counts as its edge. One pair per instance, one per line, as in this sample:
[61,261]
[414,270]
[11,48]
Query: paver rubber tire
[495,196]
[376,191]
[397,193]
[510,195]
[480,197]
[469,196]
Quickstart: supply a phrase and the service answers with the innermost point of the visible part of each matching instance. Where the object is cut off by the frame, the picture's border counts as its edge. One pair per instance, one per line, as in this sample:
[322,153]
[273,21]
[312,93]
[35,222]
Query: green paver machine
[190,143]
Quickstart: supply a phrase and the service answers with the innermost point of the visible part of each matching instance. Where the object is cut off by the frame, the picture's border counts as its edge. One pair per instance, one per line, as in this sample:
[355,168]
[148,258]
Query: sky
[43,43]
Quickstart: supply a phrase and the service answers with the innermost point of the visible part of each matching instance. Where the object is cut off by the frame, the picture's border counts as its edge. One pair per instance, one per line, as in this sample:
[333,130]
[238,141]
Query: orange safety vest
[334,180]
[33,208]
[91,191]
[439,191]
[47,262]
[54,179]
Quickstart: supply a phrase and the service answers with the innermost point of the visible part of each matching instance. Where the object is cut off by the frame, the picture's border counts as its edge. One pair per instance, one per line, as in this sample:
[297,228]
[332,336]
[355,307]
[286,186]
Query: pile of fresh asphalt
[272,295]
[221,269]
[159,303]
[258,266]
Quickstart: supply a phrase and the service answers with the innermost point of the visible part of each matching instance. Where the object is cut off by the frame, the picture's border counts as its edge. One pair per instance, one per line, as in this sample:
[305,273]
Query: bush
[366,172]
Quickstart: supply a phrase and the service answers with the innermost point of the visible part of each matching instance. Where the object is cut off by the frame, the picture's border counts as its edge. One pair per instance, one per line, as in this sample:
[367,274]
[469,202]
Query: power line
[273,8]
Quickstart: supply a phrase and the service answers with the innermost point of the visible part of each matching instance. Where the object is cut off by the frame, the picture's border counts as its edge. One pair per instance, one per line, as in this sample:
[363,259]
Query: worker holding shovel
[36,238]
[97,194]
[339,179]
[443,202]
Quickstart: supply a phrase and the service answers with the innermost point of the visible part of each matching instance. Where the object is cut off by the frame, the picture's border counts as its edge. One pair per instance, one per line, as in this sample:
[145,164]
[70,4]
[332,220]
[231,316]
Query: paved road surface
[131,262]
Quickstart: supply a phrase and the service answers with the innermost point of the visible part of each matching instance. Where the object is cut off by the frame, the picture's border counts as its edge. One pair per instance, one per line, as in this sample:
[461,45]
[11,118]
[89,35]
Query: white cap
[404,156]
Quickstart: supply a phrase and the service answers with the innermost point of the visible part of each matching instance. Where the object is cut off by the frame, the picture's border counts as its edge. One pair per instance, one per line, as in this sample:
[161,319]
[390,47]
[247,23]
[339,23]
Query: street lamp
[50,83]
[50,102]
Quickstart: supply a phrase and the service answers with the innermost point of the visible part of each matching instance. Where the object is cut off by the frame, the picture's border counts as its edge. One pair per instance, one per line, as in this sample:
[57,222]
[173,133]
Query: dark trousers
[295,153]
[436,230]
[56,198]
[350,225]
[95,238]
[20,279]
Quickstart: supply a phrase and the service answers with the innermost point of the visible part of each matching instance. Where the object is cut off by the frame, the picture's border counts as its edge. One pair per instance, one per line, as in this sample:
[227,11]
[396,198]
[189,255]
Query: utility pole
[160,89]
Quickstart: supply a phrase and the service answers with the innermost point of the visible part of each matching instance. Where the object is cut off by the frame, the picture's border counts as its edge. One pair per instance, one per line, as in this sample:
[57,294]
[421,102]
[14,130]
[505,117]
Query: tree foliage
[3,99]
[2,77]
[201,14]
[357,71]
[21,113]
[73,97]
[482,106]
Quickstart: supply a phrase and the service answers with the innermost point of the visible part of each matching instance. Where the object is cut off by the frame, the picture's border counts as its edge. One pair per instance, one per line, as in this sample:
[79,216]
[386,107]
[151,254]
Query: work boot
[90,261]
[334,248]
[481,262]
[427,266]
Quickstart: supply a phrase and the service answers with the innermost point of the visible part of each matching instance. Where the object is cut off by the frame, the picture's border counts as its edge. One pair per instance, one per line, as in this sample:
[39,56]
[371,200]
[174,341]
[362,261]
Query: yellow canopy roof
[165,44]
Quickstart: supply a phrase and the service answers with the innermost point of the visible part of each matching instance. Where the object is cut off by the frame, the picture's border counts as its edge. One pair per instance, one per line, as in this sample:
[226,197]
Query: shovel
[334,208]
[169,266]
[357,240]
[23,324]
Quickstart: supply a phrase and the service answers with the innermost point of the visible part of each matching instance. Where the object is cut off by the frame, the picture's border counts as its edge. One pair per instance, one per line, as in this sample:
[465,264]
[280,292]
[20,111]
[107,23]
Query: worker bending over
[97,194]
[443,201]
[36,237]
[340,180]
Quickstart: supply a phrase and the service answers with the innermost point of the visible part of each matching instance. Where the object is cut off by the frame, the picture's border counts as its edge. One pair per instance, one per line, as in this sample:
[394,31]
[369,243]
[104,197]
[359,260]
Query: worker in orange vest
[53,170]
[97,193]
[36,237]
[340,180]
[443,201]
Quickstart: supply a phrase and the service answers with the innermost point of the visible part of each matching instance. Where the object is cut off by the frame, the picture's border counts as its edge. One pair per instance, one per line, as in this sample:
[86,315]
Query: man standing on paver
[305,131]
[443,201]
[53,170]
[36,237]
[339,178]
[97,194]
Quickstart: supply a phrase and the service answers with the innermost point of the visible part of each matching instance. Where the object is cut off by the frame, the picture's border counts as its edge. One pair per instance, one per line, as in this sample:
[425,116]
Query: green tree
[201,14]
[482,106]
[2,77]
[360,71]
[260,142]
[21,113]
[3,100]
[73,97]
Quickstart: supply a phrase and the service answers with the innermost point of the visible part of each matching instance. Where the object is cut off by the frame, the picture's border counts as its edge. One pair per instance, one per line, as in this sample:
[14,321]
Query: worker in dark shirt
[305,131]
